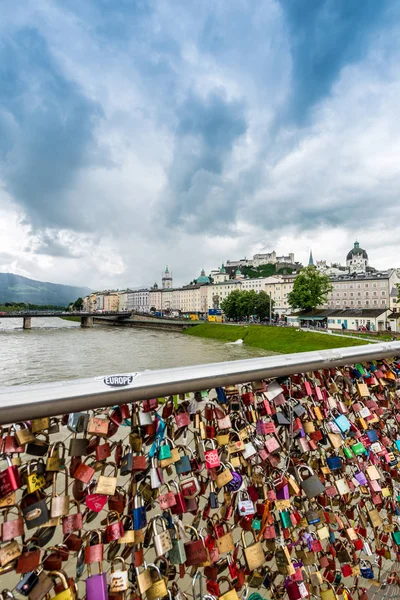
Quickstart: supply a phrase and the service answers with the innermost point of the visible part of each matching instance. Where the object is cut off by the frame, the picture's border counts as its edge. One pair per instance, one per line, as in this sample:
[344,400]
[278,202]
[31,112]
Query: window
[367,303]
[351,302]
[351,286]
[366,285]
[358,294]
[374,285]
[375,302]
[359,302]
[383,293]
[367,294]
[344,295]
[374,293]
[351,294]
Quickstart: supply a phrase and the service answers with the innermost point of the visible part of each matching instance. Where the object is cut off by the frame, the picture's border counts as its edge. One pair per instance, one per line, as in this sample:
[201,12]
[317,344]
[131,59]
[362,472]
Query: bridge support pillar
[86,321]
[27,323]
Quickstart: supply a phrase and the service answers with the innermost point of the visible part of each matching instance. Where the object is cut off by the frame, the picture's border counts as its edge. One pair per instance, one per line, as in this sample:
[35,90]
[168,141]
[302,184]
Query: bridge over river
[87,318]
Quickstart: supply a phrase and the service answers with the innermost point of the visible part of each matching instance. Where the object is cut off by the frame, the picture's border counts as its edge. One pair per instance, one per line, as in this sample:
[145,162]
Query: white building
[138,300]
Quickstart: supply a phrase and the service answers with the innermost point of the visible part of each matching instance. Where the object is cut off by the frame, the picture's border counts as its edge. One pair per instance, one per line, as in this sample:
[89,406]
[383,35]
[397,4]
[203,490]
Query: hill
[15,288]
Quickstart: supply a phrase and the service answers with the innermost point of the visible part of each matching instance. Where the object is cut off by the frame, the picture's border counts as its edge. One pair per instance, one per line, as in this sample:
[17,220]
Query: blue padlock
[334,462]
[183,464]
[343,423]
[139,514]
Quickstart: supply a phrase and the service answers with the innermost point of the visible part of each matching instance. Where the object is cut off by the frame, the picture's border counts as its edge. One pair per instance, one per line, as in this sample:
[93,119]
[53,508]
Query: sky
[140,133]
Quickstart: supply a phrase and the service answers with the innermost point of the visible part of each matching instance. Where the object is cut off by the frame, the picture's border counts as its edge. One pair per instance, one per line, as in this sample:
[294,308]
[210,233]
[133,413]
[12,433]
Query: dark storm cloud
[325,35]
[206,134]
[48,129]
[51,244]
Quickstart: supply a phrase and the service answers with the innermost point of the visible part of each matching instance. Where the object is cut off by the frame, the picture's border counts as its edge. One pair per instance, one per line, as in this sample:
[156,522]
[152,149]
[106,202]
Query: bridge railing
[184,390]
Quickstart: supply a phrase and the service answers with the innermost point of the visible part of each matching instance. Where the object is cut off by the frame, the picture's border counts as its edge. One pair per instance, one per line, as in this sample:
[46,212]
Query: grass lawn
[276,339]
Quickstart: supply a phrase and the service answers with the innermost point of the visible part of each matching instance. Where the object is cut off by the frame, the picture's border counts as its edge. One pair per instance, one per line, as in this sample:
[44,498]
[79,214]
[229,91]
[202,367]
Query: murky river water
[55,349]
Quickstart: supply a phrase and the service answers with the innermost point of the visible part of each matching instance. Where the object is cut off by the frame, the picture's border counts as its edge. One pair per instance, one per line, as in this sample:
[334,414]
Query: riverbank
[76,319]
[284,340]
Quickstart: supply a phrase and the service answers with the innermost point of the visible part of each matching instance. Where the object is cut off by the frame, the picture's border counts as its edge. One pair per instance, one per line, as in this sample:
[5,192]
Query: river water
[55,349]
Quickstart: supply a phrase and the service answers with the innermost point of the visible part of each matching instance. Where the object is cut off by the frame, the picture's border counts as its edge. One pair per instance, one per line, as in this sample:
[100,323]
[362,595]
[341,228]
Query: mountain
[15,288]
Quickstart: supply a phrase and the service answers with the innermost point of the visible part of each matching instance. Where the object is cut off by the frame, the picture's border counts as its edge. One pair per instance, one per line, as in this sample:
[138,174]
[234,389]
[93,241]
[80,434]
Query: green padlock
[348,452]
[256,523]
[255,596]
[358,448]
[164,449]
[284,516]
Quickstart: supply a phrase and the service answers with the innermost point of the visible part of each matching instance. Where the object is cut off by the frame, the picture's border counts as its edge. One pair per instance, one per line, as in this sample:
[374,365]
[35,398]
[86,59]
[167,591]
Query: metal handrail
[27,402]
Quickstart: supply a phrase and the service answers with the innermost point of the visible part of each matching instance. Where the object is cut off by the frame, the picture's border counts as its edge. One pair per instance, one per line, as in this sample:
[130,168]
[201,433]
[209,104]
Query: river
[56,349]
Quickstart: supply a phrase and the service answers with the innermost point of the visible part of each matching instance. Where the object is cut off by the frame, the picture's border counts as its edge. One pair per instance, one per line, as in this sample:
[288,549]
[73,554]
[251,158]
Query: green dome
[203,278]
[223,270]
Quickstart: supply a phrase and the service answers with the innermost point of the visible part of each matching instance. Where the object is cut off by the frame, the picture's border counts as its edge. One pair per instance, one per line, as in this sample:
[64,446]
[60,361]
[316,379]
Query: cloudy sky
[139,133]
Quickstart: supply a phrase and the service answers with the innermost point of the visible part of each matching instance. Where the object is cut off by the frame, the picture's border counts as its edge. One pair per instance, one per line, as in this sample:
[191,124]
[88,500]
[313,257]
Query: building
[100,301]
[122,301]
[364,290]
[357,259]
[262,259]
[111,301]
[155,300]
[167,279]
[371,319]
[220,275]
[138,300]
[89,303]
[278,287]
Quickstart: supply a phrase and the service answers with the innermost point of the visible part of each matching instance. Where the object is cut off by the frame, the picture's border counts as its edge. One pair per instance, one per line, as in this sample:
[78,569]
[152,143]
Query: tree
[262,308]
[310,289]
[230,305]
[240,305]
[78,304]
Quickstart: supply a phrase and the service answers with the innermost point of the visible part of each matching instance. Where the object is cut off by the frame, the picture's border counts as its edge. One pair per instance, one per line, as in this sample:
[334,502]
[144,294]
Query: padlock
[231,594]
[139,513]
[253,554]
[107,484]
[180,507]
[177,554]
[196,552]
[84,472]
[14,528]
[78,422]
[35,510]
[114,530]
[59,505]
[96,585]
[35,481]
[10,479]
[55,461]
[162,541]
[93,553]
[183,465]
[164,449]
[245,505]
[72,522]
[98,426]
[312,486]
[158,588]
[212,459]
[155,475]
[23,434]
[167,499]
[118,577]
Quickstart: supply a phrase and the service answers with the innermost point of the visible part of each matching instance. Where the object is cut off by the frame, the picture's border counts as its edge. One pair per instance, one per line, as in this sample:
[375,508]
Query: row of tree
[310,289]
[243,305]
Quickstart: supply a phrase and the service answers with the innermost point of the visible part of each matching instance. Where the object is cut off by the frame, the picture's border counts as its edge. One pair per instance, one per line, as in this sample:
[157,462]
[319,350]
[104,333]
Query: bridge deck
[38,313]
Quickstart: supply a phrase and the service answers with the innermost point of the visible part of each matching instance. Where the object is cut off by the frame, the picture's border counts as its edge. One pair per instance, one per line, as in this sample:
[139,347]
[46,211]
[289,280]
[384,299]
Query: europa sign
[118,380]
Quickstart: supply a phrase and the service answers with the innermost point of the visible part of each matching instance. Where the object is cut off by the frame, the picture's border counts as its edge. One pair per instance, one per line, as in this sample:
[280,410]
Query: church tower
[167,279]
